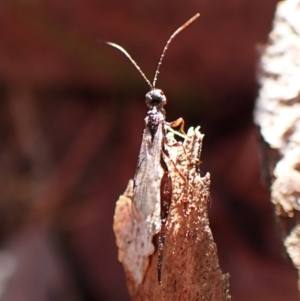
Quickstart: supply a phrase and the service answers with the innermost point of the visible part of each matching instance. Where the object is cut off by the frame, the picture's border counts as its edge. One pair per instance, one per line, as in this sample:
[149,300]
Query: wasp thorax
[155,97]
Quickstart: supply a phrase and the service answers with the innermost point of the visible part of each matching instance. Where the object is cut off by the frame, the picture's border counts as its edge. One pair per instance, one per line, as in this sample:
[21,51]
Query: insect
[152,182]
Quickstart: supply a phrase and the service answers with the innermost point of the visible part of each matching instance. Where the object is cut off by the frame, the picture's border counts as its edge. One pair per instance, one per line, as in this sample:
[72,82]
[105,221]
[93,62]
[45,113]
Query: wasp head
[155,97]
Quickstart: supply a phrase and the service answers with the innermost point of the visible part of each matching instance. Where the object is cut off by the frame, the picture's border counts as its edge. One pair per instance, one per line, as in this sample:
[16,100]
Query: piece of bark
[190,268]
[277,113]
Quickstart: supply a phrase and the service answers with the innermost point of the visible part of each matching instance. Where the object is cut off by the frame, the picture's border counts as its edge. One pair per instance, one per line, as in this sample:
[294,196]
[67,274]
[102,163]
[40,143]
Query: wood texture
[277,114]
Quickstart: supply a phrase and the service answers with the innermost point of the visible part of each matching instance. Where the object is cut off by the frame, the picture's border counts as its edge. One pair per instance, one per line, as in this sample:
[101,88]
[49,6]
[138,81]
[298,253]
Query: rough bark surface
[190,268]
[277,114]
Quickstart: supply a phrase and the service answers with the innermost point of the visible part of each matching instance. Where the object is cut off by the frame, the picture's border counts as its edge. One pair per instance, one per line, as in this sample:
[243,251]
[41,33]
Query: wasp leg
[178,122]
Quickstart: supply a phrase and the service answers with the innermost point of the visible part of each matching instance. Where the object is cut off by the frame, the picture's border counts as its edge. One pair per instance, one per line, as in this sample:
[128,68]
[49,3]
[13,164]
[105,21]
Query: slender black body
[152,191]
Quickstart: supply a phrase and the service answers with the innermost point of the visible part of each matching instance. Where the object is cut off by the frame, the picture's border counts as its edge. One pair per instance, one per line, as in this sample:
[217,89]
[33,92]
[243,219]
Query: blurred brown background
[72,113]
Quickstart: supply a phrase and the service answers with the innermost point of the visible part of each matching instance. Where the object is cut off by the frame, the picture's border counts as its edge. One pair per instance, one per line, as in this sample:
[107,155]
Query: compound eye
[149,100]
[155,97]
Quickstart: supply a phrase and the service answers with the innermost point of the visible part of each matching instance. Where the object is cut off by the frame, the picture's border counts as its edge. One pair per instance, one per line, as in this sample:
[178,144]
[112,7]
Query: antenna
[152,87]
[132,61]
[182,27]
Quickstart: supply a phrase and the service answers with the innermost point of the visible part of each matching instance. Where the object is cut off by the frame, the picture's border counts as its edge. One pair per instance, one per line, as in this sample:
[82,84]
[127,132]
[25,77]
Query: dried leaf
[190,269]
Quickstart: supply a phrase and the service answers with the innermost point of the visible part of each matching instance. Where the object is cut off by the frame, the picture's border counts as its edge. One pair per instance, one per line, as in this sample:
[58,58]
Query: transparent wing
[148,176]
